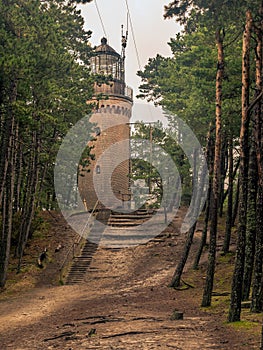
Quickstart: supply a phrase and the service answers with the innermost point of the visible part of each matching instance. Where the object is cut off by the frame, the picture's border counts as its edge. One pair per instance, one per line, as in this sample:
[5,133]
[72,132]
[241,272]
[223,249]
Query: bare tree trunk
[234,175]
[19,172]
[208,288]
[209,158]
[257,292]
[256,301]
[223,172]
[176,279]
[261,343]
[7,184]
[7,226]
[251,222]
[236,203]
[230,198]
[204,232]
[237,281]
[29,207]
[5,149]
[199,179]
[7,210]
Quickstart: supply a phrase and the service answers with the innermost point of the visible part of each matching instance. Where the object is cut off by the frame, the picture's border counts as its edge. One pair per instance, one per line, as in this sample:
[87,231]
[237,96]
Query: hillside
[124,301]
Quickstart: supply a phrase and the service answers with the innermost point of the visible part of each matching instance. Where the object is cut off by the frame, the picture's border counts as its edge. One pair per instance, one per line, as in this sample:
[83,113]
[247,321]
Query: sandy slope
[124,300]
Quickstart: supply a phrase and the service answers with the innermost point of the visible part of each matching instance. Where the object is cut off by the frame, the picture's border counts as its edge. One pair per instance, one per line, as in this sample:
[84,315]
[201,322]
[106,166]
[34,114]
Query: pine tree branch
[253,104]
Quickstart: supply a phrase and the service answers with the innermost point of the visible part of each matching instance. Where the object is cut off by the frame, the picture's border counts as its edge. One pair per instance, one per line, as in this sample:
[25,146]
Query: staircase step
[125,224]
[115,237]
[129,217]
[81,263]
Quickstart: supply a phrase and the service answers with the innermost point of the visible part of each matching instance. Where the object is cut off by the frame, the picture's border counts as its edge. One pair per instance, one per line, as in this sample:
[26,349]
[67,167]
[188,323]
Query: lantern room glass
[108,64]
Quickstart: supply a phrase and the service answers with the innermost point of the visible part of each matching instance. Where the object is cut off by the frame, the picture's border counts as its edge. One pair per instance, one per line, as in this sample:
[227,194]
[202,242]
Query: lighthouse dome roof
[105,48]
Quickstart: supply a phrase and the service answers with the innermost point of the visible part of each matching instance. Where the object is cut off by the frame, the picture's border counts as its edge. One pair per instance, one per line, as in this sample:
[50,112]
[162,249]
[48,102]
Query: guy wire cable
[133,35]
[101,21]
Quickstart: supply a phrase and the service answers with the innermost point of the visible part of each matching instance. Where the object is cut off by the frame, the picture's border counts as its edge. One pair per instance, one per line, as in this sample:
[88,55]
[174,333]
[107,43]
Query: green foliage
[184,84]
[223,23]
[45,81]
[44,46]
[141,169]
[38,227]
[215,13]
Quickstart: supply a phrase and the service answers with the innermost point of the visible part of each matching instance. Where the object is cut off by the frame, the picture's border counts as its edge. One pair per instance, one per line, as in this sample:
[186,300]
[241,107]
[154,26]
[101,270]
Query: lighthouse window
[93,67]
[97,169]
[114,69]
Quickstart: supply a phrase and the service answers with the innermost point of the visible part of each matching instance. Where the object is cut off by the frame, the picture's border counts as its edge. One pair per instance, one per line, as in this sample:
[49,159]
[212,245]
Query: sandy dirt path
[124,303]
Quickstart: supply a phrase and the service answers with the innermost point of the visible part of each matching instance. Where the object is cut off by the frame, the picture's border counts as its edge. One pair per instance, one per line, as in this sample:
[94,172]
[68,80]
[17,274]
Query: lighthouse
[105,182]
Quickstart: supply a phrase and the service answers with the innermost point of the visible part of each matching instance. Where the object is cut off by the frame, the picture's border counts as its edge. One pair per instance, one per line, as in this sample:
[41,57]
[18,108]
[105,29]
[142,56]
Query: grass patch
[226,259]
[15,285]
[219,305]
[242,325]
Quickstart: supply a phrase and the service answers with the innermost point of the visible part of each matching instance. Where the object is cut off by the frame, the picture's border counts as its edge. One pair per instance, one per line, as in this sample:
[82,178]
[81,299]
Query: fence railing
[116,88]
[75,247]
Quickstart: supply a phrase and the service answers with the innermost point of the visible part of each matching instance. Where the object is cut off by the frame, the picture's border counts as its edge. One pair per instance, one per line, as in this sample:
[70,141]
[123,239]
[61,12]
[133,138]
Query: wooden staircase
[120,230]
[80,264]
[125,229]
[129,219]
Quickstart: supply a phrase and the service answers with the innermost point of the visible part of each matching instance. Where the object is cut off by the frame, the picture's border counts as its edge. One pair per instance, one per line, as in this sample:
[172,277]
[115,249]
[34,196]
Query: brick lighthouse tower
[107,180]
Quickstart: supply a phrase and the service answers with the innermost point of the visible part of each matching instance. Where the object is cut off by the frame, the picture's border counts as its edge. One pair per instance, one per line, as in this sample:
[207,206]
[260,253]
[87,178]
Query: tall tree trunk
[19,173]
[223,172]
[7,185]
[6,225]
[256,301]
[204,232]
[257,293]
[251,222]
[207,294]
[237,281]
[176,279]
[42,175]
[7,215]
[230,198]
[209,159]
[234,176]
[261,343]
[6,235]
[7,132]
[29,207]
[197,186]
[236,203]
[5,149]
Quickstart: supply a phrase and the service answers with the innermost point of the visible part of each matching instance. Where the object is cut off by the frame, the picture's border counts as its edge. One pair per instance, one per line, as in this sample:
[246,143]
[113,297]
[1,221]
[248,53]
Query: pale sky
[151,31]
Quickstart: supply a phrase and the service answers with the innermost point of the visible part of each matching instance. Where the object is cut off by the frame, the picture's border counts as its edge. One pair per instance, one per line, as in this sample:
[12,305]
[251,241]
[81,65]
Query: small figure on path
[41,258]
[58,248]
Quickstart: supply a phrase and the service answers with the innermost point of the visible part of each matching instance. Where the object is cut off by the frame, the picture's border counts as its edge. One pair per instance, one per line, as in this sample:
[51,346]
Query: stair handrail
[91,217]
[76,242]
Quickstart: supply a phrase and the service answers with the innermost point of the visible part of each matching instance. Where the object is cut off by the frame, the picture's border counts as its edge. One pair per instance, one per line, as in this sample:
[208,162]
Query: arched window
[97,169]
